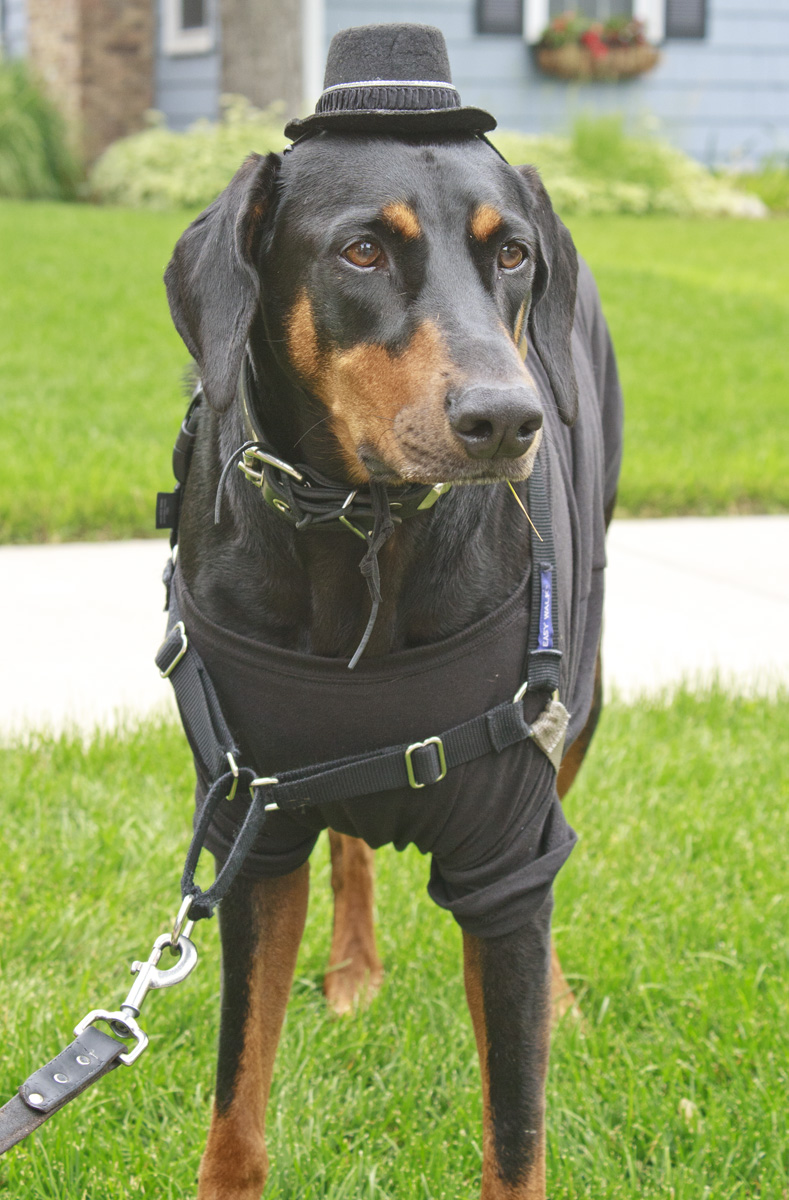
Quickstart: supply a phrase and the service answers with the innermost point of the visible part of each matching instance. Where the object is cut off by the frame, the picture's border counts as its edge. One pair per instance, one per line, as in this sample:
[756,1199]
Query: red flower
[594,43]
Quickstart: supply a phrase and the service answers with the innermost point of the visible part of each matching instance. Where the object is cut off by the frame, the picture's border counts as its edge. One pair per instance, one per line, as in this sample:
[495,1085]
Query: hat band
[393,96]
[365,83]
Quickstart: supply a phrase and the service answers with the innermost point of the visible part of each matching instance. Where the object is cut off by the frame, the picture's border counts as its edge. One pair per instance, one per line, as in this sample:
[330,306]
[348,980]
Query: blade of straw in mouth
[520,503]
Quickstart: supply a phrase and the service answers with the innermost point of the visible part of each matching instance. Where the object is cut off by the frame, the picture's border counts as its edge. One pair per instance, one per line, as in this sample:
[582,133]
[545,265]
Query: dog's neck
[291,421]
[254,573]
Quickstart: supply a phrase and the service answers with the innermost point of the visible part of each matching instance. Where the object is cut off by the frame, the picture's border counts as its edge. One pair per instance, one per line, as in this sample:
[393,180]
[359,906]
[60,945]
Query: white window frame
[177,41]
[535,18]
[651,12]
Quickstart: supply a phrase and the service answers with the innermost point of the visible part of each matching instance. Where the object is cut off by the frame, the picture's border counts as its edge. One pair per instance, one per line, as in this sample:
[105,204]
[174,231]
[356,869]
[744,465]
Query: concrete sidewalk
[687,598]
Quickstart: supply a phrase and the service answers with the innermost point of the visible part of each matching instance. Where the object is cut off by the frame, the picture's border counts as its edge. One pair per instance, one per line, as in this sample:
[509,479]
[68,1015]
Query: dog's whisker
[322,421]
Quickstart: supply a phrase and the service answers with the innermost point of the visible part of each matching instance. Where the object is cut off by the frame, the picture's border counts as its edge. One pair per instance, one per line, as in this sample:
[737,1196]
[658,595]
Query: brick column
[97,60]
[262,51]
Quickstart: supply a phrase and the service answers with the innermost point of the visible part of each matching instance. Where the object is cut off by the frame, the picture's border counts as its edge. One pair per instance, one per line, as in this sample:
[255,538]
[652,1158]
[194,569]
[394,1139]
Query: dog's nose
[495,421]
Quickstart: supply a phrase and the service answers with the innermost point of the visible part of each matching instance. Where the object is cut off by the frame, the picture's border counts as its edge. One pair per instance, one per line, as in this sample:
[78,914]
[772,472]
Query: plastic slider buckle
[168,670]
[442,761]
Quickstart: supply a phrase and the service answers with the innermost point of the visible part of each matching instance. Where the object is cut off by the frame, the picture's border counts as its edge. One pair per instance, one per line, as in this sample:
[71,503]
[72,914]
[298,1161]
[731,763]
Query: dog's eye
[364,254]
[511,255]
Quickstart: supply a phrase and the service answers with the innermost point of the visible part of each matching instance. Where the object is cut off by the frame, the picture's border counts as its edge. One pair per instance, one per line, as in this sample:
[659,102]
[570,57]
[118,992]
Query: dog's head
[395,281]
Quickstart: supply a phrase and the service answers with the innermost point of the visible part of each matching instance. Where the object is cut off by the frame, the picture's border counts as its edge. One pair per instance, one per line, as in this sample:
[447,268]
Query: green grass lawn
[90,365]
[699,313]
[671,920]
[90,369]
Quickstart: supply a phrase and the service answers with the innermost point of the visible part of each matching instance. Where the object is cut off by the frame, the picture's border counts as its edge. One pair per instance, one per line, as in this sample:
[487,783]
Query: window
[652,12]
[499,16]
[596,10]
[686,18]
[187,26]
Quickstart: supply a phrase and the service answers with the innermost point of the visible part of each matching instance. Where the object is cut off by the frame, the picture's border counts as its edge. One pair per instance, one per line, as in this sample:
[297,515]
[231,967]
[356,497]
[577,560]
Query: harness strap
[211,741]
[417,765]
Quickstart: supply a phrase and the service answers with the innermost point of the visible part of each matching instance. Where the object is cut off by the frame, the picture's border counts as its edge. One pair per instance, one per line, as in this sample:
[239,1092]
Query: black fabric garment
[494,827]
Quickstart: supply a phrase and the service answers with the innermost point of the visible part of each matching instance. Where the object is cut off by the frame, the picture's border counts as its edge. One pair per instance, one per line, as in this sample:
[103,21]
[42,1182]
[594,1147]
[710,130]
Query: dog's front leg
[261,926]
[508,990]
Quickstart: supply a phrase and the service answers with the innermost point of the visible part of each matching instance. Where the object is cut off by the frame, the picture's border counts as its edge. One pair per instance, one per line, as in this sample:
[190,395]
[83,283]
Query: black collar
[309,500]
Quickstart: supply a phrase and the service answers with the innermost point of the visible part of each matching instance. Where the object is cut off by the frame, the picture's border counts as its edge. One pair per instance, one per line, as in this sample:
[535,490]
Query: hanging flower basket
[572,47]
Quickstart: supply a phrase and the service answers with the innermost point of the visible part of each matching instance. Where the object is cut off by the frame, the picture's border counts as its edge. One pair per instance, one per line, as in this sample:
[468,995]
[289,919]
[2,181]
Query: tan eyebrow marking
[402,219]
[485,222]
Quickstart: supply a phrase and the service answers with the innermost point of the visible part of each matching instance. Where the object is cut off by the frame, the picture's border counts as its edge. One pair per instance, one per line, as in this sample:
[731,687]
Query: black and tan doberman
[384,290]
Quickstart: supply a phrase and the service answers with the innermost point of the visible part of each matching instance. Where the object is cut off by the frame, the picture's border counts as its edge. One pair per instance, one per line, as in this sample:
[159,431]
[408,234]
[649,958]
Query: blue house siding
[187,87]
[721,98]
[14,29]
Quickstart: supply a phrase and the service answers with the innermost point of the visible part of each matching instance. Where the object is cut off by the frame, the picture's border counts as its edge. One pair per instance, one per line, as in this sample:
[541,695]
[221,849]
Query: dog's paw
[353,980]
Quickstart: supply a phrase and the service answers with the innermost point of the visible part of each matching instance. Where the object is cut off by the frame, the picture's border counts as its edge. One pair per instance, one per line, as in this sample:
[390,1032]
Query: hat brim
[425,120]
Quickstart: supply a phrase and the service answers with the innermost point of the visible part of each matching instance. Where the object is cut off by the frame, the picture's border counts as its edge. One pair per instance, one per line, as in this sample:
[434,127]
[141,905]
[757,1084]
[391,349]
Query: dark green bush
[36,162]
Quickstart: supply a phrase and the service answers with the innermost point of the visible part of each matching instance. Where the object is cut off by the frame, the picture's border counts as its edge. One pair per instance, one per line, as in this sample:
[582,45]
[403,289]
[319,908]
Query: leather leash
[93,1054]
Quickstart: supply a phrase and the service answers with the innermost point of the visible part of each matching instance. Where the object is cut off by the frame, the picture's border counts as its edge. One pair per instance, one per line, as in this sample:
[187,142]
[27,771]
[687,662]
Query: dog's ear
[553,299]
[213,286]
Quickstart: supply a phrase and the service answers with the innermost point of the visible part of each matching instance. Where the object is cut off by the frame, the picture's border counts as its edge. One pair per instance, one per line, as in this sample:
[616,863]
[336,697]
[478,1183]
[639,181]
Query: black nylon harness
[417,765]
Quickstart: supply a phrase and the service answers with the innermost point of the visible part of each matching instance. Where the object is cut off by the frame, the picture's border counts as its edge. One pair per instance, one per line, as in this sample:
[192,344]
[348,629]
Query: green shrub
[162,169]
[598,170]
[601,170]
[36,162]
[770,183]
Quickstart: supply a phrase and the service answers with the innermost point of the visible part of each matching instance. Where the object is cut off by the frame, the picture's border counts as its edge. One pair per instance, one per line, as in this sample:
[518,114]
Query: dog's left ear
[553,299]
[213,286]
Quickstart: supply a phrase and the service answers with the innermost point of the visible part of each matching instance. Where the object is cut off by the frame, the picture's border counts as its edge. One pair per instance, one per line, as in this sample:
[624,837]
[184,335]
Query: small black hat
[390,79]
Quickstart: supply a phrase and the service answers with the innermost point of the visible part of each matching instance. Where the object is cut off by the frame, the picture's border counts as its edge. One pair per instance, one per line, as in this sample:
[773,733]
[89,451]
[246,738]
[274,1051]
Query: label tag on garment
[545,634]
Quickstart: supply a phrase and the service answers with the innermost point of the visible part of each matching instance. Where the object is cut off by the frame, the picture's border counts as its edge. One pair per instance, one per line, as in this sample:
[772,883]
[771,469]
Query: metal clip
[253,455]
[182,926]
[167,672]
[234,768]
[149,976]
[265,781]
[442,761]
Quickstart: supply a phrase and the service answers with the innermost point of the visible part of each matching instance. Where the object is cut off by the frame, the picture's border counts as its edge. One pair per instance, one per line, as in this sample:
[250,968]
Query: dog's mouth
[417,463]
